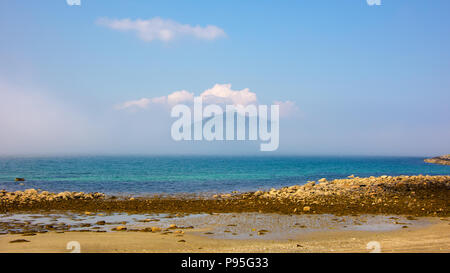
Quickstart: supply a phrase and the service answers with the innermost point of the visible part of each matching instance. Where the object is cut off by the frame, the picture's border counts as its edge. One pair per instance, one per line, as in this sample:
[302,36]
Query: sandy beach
[391,214]
[432,238]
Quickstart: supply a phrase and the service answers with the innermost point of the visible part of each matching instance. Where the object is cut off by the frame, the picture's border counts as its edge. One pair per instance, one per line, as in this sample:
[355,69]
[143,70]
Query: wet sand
[431,235]
[223,225]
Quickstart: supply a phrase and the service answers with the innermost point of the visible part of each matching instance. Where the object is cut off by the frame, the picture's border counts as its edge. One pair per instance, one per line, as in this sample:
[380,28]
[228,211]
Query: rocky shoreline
[442,160]
[402,195]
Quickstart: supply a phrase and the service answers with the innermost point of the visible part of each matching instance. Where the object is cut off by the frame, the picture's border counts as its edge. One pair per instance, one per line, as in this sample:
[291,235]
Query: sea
[146,175]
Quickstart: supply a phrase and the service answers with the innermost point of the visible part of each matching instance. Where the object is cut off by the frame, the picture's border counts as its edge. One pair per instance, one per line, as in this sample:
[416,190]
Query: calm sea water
[146,175]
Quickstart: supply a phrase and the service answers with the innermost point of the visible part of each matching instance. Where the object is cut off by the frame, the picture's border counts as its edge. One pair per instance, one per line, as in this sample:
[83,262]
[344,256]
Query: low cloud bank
[218,94]
[162,29]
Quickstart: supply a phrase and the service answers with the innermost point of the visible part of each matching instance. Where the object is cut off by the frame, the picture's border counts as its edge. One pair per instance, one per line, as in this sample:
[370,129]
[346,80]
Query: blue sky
[366,79]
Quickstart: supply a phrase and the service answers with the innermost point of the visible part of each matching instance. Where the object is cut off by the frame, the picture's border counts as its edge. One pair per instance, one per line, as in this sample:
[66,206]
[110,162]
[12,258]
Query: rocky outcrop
[31,196]
[420,195]
[443,160]
[356,187]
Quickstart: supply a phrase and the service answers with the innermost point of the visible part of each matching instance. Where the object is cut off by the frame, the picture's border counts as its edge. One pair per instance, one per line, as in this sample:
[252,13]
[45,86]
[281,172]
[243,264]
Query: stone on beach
[155,229]
[19,241]
[120,228]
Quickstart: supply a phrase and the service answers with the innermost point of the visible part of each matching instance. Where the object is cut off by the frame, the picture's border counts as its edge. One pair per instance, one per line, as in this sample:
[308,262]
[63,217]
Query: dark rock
[20,241]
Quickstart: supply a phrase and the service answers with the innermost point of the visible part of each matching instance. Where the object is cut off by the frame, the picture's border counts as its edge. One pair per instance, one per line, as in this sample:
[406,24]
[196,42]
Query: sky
[100,77]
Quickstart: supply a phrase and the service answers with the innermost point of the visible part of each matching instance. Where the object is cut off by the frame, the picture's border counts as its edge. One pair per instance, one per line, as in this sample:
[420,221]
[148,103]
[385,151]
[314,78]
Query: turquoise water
[188,174]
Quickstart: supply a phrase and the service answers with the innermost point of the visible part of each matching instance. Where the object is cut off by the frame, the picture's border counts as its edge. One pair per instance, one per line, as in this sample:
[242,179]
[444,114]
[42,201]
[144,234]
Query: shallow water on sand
[223,226]
[277,227]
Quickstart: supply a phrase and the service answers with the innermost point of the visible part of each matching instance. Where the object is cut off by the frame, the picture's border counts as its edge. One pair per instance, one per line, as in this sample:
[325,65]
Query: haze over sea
[141,175]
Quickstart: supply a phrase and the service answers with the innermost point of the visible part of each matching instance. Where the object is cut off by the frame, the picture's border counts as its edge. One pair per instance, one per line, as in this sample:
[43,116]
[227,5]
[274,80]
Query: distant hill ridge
[443,160]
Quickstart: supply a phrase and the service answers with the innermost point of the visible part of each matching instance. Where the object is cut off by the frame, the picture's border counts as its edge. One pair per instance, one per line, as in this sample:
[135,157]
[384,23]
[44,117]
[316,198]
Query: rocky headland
[443,160]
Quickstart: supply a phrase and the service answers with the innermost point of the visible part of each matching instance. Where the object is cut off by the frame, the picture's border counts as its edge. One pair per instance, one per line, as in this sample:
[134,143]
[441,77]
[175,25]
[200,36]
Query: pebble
[120,228]
[19,241]
[155,229]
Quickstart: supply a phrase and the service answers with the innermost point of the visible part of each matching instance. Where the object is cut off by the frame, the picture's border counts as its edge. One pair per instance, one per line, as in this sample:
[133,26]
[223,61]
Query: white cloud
[142,103]
[179,96]
[162,29]
[169,100]
[218,94]
[287,108]
[222,93]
